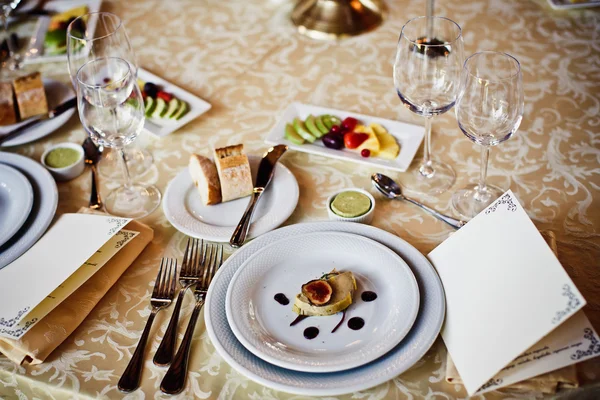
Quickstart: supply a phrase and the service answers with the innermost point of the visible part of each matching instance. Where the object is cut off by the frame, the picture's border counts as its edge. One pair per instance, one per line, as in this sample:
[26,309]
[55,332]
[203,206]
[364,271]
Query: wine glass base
[139,161]
[469,202]
[439,181]
[136,201]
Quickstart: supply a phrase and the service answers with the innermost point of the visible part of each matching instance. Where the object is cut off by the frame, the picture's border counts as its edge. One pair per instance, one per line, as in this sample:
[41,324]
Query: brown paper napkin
[54,328]
[549,382]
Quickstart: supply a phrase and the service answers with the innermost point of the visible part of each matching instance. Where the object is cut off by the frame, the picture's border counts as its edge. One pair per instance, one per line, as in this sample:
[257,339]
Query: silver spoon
[389,188]
[92,155]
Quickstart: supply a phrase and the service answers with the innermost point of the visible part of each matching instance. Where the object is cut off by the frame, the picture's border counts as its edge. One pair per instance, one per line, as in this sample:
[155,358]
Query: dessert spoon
[92,155]
[390,189]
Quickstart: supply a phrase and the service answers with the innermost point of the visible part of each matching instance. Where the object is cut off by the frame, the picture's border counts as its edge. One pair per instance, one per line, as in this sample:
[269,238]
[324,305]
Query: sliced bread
[206,178]
[234,172]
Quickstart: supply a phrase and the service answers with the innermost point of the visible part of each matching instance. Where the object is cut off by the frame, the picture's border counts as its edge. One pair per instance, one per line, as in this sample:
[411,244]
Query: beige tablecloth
[245,58]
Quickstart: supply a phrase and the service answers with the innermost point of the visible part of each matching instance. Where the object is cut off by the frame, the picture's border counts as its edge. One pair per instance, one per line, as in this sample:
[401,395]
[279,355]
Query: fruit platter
[348,136]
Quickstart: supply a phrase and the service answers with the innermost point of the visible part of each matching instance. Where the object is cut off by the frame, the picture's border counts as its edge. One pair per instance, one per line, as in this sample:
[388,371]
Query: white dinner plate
[16,199]
[45,200]
[262,324]
[568,4]
[163,126]
[56,94]
[408,136]
[184,209]
[411,349]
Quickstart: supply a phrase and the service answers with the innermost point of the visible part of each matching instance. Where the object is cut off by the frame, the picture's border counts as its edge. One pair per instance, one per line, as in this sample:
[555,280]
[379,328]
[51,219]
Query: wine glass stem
[123,161]
[426,169]
[430,11]
[481,188]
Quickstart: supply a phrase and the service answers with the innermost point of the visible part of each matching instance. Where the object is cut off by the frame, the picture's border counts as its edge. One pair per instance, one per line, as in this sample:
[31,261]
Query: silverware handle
[174,380]
[453,222]
[17,131]
[130,380]
[164,353]
[241,230]
[95,201]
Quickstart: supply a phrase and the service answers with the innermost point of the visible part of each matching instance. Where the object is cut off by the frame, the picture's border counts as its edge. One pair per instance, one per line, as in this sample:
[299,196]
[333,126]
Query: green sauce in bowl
[62,157]
[351,204]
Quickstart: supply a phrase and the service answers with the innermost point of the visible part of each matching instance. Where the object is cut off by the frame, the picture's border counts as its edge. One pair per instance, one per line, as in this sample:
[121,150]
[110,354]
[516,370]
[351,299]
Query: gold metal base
[336,19]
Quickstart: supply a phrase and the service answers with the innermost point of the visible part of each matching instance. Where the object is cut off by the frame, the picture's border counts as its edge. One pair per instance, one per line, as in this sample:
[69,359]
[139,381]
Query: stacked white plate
[28,200]
[252,332]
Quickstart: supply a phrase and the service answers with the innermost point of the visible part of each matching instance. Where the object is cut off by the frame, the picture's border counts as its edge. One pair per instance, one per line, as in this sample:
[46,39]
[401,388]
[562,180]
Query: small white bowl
[70,172]
[366,218]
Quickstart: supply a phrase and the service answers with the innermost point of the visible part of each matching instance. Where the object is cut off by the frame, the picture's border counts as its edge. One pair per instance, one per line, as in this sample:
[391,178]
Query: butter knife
[61,108]
[265,173]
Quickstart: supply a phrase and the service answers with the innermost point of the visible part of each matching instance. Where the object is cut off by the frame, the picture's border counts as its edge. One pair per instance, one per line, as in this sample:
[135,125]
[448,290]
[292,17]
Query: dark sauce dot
[368,296]
[311,332]
[356,323]
[298,319]
[281,299]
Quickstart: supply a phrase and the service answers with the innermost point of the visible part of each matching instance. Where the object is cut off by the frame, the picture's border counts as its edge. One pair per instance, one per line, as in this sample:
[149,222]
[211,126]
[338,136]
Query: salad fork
[174,379]
[188,276]
[162,296]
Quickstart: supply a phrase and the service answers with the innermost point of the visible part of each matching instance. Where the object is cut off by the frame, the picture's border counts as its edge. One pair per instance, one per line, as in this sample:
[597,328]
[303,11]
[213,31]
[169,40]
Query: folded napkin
[54,328]
[546,383]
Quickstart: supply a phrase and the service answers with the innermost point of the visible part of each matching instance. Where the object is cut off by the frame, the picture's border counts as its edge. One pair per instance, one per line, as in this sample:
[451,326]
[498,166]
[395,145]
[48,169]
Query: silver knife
[263,177]
[61,108]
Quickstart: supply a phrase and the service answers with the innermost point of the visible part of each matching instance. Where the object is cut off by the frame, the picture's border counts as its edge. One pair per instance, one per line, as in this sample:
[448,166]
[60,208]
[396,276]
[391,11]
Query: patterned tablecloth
[246,59]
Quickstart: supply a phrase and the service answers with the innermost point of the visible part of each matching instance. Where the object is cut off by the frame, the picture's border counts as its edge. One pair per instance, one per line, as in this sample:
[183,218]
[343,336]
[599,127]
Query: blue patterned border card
[505,291]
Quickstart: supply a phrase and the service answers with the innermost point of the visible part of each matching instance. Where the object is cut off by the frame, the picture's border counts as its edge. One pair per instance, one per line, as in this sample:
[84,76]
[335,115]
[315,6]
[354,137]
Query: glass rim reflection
[516,63]
[125,76]
[88,15]
[414,41]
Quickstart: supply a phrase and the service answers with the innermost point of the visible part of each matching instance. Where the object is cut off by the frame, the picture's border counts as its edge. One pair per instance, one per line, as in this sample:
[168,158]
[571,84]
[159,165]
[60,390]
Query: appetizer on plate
[160,104]
[55,42]
[329,295]
[22,98]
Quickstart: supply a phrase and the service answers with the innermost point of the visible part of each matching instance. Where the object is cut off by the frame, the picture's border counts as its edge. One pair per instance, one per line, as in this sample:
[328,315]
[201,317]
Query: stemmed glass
[6,9]
[427,69]
[111,109]
[106,38]
[489,110]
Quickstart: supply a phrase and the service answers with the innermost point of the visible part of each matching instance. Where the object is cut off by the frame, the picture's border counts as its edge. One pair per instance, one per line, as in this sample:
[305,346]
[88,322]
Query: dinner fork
[174,379]
[162,296]
[188,276]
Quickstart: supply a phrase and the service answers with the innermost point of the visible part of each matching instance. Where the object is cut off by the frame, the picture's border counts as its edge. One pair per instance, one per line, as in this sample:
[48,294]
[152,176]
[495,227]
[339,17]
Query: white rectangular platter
[409,137]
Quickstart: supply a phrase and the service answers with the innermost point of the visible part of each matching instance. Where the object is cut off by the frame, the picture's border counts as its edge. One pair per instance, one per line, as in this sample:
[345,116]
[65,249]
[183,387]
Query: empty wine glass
[100,35]
[111,109]
[427,69]
[489,111]
[13,59]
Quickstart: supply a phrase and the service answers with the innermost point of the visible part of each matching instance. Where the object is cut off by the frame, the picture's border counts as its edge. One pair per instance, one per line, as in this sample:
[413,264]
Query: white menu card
[505,291]
[74,248]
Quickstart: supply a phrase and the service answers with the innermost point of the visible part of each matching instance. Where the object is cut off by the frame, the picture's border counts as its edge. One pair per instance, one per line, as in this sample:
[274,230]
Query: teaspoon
[390,189]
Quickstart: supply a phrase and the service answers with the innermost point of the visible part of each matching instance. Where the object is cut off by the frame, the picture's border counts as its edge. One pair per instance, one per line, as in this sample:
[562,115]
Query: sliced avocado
[302,131]
[150,105]
[172,109]
[183,109]
[159,110]
[320,125]
[312,127]
[292,135]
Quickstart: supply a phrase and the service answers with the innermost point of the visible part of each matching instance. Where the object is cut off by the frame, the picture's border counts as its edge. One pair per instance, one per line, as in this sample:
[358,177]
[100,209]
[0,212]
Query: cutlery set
[200,263]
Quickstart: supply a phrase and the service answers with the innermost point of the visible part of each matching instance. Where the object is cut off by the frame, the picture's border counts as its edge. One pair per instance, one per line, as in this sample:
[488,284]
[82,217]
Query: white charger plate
[162,126]
[420,338]
[56,94]
[262,325]
[408,136]
[45,200]
[184,209]
[16,199]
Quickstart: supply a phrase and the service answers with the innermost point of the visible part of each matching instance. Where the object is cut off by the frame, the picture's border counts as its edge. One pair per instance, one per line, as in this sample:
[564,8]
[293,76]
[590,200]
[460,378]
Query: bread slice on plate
[30,95]
[206,178]
[234,172]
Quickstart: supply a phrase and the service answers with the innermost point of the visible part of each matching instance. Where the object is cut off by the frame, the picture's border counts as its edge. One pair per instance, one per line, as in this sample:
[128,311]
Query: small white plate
[162,126]
[566,4]
[409,137]
[262,325]
[35,52]
[16,199]
[185,211]
[56,94]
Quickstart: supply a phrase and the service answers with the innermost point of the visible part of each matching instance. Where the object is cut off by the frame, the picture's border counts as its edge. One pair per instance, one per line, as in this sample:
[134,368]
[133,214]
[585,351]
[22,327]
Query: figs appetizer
[326,296]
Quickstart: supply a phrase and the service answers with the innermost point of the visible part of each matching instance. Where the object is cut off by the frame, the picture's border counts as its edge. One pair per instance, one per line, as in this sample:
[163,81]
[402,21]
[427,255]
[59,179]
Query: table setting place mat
[44,299]
[513,312]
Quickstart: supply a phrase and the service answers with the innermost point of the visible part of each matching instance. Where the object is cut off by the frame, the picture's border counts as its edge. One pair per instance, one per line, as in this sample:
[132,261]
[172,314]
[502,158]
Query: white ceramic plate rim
[419,340]
[561,5]
[409,137]
[17,219]
[44,206]
[175,211]
[350,360]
